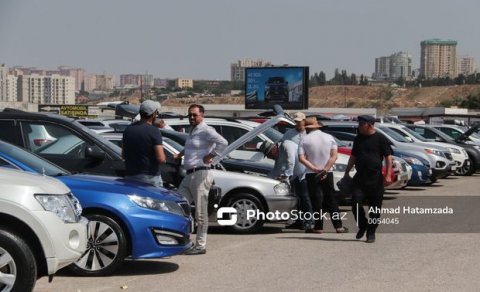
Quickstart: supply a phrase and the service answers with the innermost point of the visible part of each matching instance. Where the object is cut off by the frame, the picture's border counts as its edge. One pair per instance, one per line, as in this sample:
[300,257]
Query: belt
[192,170]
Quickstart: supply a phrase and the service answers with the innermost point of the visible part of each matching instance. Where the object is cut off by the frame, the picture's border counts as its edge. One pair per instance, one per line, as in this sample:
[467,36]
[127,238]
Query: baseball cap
[150,106]
[298,117]
[366,118]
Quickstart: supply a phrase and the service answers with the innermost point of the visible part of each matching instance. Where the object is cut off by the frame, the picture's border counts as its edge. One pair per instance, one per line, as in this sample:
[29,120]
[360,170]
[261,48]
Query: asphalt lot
[286,260]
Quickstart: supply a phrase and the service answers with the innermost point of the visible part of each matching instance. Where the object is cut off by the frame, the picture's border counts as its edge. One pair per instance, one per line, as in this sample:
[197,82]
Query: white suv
[41,230]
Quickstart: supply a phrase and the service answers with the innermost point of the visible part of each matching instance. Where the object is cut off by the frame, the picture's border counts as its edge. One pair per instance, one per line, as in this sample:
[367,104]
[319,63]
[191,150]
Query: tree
[322,79]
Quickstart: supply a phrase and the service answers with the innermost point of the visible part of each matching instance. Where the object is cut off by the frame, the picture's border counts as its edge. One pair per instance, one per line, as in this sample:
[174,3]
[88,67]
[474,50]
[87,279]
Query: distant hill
[381,98]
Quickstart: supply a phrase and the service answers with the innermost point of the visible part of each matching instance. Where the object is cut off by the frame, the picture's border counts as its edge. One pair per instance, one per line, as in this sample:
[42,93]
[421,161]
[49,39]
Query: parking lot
[285,260]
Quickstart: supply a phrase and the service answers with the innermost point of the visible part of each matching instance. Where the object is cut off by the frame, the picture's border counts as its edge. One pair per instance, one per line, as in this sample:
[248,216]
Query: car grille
[448,155]
[186,208]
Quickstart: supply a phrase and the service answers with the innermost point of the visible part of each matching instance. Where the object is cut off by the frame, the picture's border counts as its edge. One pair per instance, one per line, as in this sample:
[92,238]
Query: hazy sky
[200,38]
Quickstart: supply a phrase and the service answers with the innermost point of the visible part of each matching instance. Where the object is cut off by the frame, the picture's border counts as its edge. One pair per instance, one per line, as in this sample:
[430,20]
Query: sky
[199,39]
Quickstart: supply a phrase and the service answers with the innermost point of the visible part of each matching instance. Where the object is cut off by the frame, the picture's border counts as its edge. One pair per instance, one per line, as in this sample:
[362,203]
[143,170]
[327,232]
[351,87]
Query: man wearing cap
[318,152]
[298,132]
[143,147]
[202,145]
[369,149]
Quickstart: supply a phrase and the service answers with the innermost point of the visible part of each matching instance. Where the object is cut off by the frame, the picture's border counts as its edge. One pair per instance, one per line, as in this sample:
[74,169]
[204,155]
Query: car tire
[18,263]
[106,247]
[243,202]
[466,170]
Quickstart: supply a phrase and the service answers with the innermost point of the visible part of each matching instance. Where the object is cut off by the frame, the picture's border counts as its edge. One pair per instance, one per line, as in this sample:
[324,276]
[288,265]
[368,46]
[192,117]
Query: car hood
[15,181]
[118,185]
[467,134]
[280,117]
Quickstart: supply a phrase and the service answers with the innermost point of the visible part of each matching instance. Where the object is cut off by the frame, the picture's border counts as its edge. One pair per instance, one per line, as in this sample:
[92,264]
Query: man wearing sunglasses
[203,143]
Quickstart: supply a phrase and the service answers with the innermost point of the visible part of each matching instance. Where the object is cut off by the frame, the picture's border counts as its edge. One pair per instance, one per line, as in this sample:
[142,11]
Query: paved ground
[284,260]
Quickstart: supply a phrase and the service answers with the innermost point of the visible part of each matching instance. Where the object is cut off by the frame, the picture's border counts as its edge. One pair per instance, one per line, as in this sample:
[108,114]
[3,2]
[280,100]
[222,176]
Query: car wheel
[242,203]
[18,269]
[467,169]
[106,247]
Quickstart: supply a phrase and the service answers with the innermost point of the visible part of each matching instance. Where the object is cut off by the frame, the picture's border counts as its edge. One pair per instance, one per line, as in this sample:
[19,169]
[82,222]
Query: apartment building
[184,83]
[105,82]
[55,89]
[466,66]
[438,58]
[8,85]
[397,65]
[237,69]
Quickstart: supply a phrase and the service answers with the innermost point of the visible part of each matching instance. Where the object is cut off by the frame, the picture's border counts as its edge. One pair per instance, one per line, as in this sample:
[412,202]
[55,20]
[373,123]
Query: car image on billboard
[286,86]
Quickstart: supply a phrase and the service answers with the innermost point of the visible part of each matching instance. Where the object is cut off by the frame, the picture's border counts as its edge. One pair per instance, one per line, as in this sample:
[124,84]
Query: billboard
[286,86]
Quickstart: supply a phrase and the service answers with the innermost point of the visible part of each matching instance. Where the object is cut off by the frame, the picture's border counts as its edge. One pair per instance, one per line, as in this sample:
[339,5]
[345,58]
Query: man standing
[201,146]
[369,149]
[318,152]
[143,147]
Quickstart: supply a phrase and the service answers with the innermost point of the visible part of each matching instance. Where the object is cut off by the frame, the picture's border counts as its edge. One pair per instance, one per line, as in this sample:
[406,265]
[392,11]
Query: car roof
[18,114]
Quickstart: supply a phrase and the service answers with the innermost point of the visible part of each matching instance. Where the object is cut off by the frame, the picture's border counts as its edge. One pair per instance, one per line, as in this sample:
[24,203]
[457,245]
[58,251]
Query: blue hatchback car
[421,171]
[126,218]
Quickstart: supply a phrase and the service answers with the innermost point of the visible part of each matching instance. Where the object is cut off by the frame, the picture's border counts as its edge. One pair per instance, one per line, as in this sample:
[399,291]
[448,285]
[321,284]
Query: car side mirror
[94,152]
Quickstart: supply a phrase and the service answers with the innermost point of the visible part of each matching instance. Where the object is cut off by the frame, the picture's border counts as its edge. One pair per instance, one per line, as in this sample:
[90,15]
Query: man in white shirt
[201,146]
[318,152]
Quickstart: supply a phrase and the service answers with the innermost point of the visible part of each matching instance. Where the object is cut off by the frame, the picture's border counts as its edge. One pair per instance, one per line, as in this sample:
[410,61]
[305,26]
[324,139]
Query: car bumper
[281,203]
[420,176]
[69,241]
[441,173]
[151,229]
[402,180]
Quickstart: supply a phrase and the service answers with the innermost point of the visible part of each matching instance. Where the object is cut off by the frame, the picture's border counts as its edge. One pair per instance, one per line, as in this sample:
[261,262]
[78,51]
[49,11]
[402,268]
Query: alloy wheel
[242,206]
[8,271]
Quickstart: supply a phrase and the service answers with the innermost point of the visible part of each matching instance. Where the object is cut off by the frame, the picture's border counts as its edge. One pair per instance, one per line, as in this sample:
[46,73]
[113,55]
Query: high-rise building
[136,80]
[438,58]
[393,67]
[78,73]
[55,89]
[90,82]
[237,70]
[466,66]
[8,85]
[105,82]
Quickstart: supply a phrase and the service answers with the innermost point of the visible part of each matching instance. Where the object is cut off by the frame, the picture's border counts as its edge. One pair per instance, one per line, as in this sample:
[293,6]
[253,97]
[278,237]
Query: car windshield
[414,134]
[32,161]
[394,135]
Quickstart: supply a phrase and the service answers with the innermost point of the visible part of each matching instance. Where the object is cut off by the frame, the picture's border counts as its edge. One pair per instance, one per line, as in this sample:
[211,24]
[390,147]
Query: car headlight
[412,161]
[155,204]
[60,205]
[281,189]
[434,152]
[456,151]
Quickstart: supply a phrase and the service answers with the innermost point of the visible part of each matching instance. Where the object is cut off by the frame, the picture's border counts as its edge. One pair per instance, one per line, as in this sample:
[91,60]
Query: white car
[41,230]
[459,154]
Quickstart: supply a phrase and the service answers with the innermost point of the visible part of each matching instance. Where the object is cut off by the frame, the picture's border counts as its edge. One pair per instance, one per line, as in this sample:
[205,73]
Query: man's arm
[219,142]
[331,160]
[388,175]
[350,164]
[303,159]
[159,154]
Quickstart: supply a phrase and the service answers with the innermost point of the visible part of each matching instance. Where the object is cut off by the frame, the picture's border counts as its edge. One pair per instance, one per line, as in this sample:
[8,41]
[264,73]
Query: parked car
[41,230]
[127,218]
[456,132]
[437,157]
[473,151]
[459,155]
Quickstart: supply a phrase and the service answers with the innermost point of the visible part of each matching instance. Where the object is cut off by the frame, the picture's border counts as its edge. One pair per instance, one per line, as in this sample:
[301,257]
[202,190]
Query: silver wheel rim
[102,247]
[8,271]
[464,169]
[242,206]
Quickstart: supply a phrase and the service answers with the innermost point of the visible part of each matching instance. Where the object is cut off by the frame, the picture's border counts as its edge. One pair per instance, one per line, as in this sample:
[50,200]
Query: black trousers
[373,195]
[323,199]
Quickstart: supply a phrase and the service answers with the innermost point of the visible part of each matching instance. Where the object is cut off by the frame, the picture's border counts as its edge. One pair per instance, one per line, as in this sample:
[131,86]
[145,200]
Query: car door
[65,148]
[10,132]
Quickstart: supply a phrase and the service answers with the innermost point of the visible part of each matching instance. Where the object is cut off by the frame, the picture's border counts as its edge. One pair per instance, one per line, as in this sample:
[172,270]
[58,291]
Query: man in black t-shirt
[369,150]
[143,147]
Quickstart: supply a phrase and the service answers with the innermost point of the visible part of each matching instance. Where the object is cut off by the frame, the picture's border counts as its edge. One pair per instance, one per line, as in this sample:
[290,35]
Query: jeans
[195,188]
[304,202]
[323,199]
[155,180]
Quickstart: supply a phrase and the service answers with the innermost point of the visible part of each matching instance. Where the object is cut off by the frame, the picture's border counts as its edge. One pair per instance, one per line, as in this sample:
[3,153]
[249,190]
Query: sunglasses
[192,115]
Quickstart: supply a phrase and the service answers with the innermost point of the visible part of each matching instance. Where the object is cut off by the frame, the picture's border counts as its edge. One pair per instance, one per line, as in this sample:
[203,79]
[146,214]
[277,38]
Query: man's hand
[177,156]
[388,179]
[208,159]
